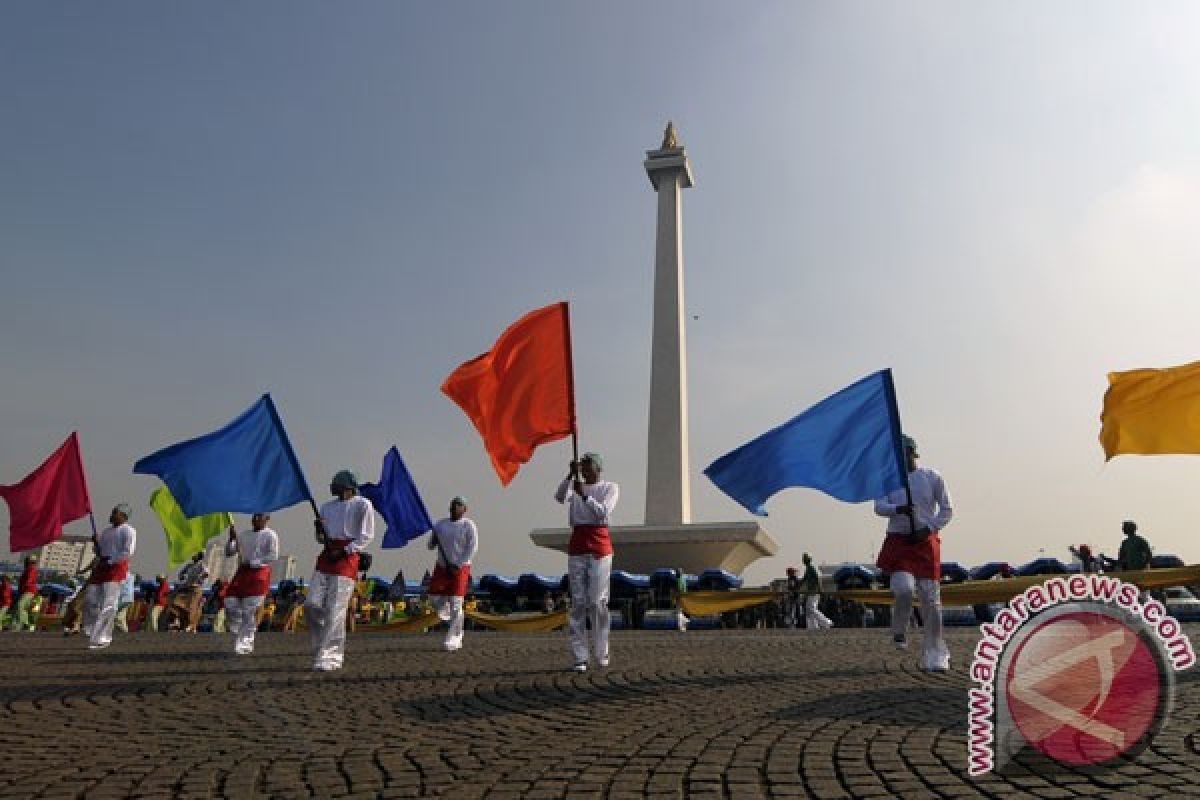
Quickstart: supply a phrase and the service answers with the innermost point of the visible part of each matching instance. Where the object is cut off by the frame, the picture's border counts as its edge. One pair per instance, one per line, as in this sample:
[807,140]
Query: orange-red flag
[520,394]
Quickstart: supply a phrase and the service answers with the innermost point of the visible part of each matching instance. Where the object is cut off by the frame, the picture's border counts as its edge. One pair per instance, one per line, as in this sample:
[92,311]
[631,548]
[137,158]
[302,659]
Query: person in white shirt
[590,503]
[914,557]
[114,546]
[457,540]
[256,550]
[344,529]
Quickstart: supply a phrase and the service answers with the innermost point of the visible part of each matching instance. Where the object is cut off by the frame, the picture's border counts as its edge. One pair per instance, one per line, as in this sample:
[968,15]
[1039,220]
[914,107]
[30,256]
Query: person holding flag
[457,540]
[27,591]
[344,529]
[912,555]
[256,550]
[114,547]
[590,504]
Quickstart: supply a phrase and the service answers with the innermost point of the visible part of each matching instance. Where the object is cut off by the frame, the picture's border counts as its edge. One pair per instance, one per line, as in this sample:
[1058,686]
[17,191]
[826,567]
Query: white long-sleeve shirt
[460,540]
[931,503]
[255,548]
[116,543]
[352,521]
[594,507]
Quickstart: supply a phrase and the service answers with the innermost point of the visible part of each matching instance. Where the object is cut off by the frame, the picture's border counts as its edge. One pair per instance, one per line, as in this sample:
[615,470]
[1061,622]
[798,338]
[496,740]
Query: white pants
[325,610]
[100,611]
[450,609]
[588,577]
[934,654]
[813,618]
[242,615]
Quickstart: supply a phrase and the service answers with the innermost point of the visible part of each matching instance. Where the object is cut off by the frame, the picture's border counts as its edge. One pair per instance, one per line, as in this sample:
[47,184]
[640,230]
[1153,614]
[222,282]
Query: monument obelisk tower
[669,538]
[668,492]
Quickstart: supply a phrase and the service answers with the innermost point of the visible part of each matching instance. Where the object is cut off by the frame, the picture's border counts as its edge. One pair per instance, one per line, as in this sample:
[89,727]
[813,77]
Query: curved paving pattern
[738,714]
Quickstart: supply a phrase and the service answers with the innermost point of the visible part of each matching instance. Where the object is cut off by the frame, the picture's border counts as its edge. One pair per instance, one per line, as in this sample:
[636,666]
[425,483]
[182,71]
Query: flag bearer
[344,529]
[457,540]
[914,558]
[590,503]
[114,546]
[256,551]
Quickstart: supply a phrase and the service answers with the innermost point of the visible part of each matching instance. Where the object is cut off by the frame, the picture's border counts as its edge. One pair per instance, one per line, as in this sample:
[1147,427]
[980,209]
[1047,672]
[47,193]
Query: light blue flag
[397,499]
[848,446]
[248,466]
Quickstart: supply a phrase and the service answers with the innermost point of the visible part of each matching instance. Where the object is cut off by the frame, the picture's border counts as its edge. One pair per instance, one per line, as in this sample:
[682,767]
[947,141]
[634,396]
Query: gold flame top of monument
[670,137]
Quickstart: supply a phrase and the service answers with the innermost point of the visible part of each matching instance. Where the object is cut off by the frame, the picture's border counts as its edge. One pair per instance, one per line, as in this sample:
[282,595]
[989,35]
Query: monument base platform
[695,547]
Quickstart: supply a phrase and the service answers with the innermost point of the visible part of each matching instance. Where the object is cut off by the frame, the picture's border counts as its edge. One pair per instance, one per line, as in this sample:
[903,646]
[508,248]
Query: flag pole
[898,447]
[571,382]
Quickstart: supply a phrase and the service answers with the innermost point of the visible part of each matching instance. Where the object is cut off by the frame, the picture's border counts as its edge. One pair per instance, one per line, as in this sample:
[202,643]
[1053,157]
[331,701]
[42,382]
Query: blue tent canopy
[954,572]
[985,572]
[1042,566]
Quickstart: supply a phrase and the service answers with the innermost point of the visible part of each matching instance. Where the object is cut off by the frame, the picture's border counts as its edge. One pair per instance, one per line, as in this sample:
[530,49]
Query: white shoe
[580,667]
[901,641]
[451,648]
[98,646]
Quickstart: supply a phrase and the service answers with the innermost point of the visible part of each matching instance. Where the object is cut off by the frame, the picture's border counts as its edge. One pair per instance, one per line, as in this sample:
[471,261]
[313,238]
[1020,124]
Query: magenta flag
[51,496]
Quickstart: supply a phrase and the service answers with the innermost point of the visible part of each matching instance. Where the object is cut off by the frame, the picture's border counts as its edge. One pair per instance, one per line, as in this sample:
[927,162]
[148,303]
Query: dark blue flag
[848,446]
[397,499]
[248,466]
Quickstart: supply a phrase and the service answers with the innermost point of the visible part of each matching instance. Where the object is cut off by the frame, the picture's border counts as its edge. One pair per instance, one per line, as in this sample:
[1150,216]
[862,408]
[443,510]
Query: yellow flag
[1152,412]
[185,537]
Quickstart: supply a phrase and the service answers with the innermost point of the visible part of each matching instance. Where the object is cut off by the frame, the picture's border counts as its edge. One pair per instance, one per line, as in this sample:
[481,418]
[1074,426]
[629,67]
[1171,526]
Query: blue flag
[397,499]
[248,466]
[848,446]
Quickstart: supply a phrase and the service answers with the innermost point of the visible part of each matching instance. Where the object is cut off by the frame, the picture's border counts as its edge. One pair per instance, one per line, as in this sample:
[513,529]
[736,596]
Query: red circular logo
[1084,688]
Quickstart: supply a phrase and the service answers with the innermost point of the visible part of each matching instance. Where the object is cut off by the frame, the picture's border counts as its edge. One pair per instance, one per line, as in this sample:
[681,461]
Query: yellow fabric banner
[953,594]
[1152,412]
[1002,590]
[538,623]
[411,625]
[703,603]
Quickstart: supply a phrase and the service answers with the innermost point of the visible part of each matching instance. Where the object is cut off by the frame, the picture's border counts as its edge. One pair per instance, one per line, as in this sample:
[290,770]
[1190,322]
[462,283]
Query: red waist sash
[444,584]
[250,582]
[105,572]
[330,563]
[901,554]
[590,540]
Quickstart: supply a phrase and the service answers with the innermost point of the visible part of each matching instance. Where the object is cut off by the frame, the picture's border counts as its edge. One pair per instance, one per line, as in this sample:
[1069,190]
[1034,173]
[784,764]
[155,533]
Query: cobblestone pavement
[738,714]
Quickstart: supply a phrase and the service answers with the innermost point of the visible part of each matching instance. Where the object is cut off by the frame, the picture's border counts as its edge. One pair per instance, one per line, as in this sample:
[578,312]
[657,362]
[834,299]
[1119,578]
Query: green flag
[185,537]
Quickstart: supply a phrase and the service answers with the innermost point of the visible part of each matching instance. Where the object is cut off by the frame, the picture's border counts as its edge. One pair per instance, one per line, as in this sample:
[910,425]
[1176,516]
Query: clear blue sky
[338,203]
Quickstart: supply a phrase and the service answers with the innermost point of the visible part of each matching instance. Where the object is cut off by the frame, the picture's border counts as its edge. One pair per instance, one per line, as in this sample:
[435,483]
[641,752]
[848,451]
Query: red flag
[520,394]
[51,496]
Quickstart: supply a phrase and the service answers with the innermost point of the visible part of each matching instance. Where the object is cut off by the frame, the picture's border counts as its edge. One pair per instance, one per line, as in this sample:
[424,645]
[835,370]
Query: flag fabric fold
[185,537]
[519,394]
[847,446]
[396,498]
[1152,412]
[49,497]
[248,466]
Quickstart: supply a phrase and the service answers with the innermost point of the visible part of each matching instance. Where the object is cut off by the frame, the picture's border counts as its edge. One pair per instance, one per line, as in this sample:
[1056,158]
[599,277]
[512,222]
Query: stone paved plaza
[738,714]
